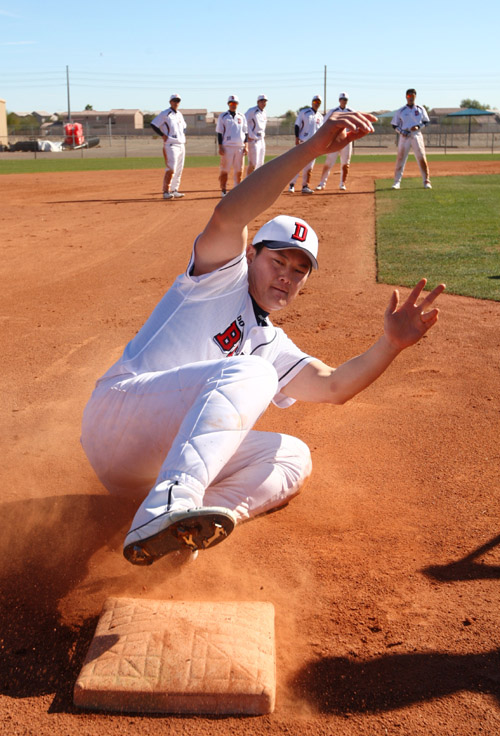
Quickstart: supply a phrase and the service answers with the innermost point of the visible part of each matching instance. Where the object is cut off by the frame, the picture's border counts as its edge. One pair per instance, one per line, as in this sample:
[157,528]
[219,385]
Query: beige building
[116,122]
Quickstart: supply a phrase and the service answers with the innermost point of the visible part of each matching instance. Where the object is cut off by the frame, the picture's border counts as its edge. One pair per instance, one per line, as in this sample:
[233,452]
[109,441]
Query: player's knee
[258,368]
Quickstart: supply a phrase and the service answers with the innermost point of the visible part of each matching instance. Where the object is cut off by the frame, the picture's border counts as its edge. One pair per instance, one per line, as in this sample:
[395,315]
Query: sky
[135,55]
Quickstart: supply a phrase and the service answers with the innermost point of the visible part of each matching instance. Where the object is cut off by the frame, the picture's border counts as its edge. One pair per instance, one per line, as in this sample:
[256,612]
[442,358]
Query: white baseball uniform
[181,402]
[307,123]
[172,124]
[256,122]
[404,120]
[344,153]
[233,129]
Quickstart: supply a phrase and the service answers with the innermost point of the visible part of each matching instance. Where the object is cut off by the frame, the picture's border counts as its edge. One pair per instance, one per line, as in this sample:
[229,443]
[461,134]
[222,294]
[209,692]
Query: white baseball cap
[261,97]
[343,96]
[285,232]
[232,98]
[316,97]
[175,97]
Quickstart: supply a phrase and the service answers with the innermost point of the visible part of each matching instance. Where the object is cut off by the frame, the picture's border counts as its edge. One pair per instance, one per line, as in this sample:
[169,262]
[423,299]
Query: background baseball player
[170,125]
[345,154]
[307,123]
[409,121]
[171,421]
[256,122]
[232,134]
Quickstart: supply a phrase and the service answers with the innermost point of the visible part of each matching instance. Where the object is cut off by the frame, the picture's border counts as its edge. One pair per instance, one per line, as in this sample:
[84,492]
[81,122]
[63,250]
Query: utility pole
[67,88]
[324,93]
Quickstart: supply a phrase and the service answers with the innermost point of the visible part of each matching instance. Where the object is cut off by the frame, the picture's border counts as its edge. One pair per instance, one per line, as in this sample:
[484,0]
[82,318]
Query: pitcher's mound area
[180,657]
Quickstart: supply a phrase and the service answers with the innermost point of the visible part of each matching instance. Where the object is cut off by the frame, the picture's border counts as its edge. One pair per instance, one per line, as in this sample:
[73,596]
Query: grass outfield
[39,165]
[450,233]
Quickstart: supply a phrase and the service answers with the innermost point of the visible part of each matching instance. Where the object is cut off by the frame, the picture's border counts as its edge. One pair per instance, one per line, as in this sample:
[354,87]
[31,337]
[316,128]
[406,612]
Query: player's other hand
[221,150]
[404,325]
[342,128]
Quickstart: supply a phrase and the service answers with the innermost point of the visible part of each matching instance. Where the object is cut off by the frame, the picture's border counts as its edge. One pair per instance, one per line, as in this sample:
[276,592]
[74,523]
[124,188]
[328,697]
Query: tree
[473,103]
[89,107]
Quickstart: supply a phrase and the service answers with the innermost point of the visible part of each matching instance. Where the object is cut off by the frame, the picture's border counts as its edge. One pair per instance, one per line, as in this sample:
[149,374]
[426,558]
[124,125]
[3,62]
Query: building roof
[440,111]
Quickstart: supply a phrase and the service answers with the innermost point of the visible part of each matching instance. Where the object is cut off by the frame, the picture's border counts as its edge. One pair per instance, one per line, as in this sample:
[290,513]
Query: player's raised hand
[342,128]
[404,325]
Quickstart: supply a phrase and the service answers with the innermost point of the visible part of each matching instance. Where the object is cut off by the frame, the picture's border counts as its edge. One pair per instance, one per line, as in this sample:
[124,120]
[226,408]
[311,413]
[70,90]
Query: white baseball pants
[256,153]
[345,160]
[415,141]
[193,424]
[306,174]
[232,157]
[174,154]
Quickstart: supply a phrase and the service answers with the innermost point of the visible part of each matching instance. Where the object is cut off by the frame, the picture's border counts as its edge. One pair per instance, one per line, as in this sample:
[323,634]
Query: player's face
[410,99]
[315,104]
[262,104]
[174,104]
[342,103]
[275,277]
[233,106]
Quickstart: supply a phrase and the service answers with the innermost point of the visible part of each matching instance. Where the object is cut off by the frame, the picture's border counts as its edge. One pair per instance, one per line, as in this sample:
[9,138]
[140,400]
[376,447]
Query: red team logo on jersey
[229,340]
[300,232]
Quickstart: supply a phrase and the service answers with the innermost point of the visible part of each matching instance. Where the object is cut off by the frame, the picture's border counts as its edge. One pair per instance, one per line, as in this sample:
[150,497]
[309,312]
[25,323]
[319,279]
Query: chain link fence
[444,138]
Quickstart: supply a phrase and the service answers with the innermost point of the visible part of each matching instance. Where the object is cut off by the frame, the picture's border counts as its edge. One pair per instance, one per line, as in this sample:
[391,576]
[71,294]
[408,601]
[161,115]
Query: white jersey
[171,124]
[233,129]
[256,121]
[337,109]
[209,317]
[308,122]
[406,117]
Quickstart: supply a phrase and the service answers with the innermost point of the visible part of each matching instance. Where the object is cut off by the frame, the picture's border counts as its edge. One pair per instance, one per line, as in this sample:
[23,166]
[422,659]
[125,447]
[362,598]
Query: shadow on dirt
[135,200]
[45,548]
[467,568]
[341,685]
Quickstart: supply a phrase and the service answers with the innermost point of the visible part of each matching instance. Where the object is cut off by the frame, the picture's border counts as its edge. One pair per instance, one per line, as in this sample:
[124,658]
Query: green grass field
[41,165]
[450,233]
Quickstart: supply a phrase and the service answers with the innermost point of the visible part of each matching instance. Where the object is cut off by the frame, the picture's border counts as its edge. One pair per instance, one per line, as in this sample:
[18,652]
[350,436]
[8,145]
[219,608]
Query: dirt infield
[384,572]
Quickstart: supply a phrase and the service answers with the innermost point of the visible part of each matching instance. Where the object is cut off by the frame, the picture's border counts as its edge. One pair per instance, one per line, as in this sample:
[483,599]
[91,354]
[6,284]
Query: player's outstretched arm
[225,235]
[403,326]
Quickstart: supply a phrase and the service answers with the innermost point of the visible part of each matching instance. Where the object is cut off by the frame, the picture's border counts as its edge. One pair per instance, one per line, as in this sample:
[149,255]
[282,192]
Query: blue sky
[133,55]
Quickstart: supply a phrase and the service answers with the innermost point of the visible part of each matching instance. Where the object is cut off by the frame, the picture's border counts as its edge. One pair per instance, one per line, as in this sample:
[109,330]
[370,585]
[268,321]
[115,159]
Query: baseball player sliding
[172,420]
[170,125]
[232,134]
[307,123]
[409,121]
[345,153]
[256,121]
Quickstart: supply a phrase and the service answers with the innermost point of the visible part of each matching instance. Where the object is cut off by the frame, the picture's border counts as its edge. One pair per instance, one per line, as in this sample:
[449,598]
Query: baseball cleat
[342,186]
[168,195]
[427,185]
[320,187]
[397,185]
[177,195]
[307,190]
[291,189]
[178,531]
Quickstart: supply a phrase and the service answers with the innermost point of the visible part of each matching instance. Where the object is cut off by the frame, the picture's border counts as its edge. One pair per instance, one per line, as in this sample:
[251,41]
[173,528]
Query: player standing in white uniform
[345,154]
[409,122]
[170,125]
[232,134]
[256,122]
[171,422]
[308,121]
